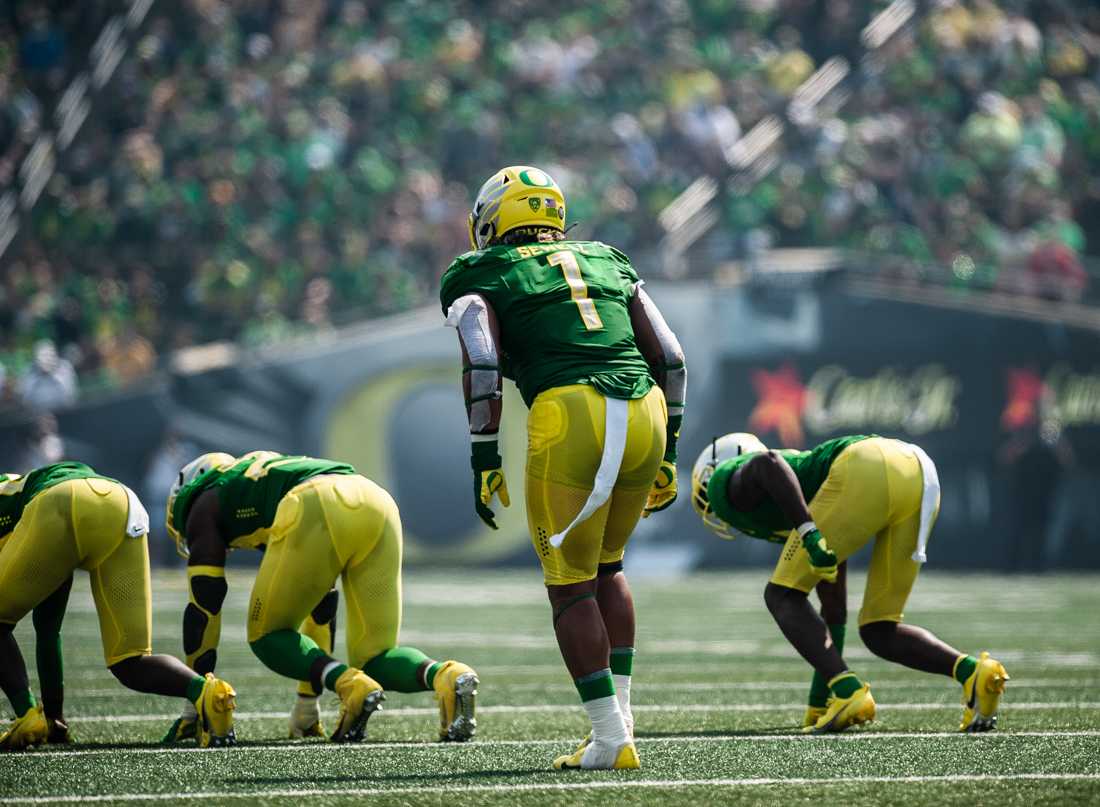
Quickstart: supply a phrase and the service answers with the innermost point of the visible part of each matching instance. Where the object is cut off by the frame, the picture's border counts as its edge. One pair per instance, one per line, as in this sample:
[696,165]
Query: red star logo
[1025,391]
[780,399]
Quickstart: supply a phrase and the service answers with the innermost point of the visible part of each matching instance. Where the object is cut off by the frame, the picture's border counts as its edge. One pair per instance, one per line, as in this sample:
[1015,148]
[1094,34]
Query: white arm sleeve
[468,315]
[672,355]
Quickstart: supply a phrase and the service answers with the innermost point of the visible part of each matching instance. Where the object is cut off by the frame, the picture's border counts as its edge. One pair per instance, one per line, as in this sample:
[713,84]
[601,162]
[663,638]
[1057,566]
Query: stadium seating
[262,169]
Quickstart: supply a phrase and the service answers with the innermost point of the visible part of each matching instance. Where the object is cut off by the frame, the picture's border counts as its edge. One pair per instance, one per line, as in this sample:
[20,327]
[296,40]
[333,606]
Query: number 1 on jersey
[572,271]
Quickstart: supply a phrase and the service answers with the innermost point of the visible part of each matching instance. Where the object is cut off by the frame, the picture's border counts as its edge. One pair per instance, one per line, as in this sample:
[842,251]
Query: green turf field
[717,694]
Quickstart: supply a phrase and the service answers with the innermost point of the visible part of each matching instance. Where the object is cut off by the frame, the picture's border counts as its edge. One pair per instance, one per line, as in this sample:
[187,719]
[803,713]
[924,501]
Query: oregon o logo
[375,429]
[535,178]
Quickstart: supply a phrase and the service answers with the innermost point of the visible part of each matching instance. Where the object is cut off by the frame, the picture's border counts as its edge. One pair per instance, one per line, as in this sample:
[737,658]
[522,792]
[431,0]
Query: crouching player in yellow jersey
[54,520]
[594,362]
[824,505]
[315,520]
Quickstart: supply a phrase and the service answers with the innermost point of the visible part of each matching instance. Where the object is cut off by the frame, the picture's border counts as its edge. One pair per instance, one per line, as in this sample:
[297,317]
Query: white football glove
[305,718]
[186,725]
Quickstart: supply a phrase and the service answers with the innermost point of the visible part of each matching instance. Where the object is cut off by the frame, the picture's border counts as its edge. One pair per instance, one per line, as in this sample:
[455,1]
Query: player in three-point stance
[824,505]
[315,520]
[64,517]
[604,379]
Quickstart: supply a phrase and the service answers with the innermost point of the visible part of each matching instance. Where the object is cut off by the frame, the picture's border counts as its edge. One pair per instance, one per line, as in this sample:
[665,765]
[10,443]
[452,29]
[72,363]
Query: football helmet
[516,196]
[721,449]
[188,474]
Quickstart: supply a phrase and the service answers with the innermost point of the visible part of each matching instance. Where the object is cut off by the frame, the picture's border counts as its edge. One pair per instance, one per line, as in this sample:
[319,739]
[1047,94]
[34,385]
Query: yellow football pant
[81,524]
[327,527]
[565,437]
[873,491]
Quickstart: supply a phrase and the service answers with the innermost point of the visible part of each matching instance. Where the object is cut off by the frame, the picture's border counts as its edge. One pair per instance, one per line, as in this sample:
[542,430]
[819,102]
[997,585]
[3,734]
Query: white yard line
[705,686]
[644,742]
[643,709]
[553,787]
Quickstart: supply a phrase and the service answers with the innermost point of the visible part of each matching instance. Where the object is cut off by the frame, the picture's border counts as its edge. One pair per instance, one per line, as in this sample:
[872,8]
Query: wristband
[672,434]
[484,452]
[803,529]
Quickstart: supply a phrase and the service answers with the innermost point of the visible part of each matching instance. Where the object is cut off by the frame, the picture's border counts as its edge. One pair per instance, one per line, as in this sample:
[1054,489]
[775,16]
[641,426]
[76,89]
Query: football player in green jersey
[824,505]
[64,517]
[604,378]
[315,520]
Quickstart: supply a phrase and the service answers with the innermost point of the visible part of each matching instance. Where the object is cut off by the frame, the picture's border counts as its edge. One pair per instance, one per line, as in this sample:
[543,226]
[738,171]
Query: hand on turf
[185,727]
[663,492]
[488,483]
[822,559]
[58,731]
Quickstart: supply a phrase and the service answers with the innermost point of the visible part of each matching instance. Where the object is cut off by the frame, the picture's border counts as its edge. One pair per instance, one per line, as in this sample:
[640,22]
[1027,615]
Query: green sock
[194,689]
[398,669]
[288,653]
[964,668]
[622,660]
[22,701]
[845,685]
[333,674]
[819,688]
[595,685]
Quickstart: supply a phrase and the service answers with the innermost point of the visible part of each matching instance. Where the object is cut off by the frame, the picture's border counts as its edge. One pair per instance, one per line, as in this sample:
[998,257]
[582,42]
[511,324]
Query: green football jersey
[249,492]
[766,521]
[16,492]
[563,314]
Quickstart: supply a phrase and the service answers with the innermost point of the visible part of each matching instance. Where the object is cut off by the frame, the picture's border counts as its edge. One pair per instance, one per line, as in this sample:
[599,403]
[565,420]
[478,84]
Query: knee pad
[326,609]
[209,592]
[194,625]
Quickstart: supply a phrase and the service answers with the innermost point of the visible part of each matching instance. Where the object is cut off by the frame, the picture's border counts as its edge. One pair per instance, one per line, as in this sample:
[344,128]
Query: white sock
[622,695]
[608,727]
[332,665]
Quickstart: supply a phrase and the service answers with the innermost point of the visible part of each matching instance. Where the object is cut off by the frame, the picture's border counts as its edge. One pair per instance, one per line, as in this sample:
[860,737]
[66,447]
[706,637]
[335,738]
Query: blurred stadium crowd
[263,168]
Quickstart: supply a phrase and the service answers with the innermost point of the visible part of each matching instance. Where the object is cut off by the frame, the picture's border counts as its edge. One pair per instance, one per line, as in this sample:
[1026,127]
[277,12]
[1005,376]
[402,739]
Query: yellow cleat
[843,713]
[215,713]
[305,718]
[455,688]
[982,694]
[360,697]
[813,714]
[25,731]
[597,756]
[628,722]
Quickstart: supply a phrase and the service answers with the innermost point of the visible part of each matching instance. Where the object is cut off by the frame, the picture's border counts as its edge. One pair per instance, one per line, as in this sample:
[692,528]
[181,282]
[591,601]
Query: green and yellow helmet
[516,196]
[721,449]
[188,474]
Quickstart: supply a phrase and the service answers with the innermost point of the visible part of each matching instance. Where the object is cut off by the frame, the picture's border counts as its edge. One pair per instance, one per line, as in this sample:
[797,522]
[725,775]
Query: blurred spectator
[161,472]
[128,357]
[264,170]
[1056,271]
[44,444]
[50,382]
[1076,507]
[1034,459]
